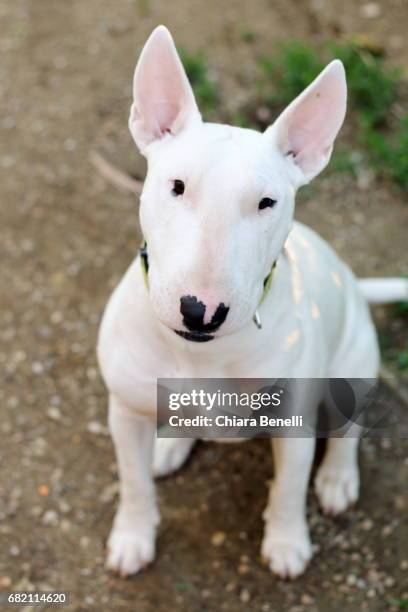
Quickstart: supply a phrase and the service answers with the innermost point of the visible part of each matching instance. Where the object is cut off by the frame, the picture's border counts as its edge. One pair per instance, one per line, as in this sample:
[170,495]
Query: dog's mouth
[194,336]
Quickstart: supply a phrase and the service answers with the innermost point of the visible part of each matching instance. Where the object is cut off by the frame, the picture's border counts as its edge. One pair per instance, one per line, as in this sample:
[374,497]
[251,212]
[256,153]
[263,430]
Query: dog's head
[218,201]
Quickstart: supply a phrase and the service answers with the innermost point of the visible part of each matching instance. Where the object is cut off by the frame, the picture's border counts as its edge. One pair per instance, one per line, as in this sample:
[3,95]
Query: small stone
[306,599]
[56,317]
[43,490]
[64,506]
[65,525]
[50,518]
[367,524]
[218,538]
[37,368]
[373,576]
[5,582]
[94,427]
[245,596]
[400,502]
[54,413]
[371,10]
[351,580]
[404,564]
[386,531]
[14,551]
[36,511]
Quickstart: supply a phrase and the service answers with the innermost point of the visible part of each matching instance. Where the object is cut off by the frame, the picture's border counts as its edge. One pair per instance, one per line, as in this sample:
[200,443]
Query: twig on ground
[114,175]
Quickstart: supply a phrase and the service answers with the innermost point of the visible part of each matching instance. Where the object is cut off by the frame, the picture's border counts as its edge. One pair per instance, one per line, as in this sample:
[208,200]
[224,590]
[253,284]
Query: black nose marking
[193,312]
[218,317]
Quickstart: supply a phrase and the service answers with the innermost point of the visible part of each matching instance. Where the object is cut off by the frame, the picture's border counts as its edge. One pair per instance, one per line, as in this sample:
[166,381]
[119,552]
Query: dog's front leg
[131,543]
[286,545]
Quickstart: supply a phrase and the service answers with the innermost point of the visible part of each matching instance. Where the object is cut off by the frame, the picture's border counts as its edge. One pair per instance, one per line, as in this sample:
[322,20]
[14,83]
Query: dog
[216,212]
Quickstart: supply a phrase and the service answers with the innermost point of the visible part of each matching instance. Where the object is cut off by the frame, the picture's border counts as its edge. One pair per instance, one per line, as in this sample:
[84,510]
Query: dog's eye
[178,188]
[266,203]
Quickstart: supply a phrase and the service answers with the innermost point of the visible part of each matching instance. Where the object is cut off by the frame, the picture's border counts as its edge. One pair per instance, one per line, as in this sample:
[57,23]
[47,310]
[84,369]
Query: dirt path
[65,239]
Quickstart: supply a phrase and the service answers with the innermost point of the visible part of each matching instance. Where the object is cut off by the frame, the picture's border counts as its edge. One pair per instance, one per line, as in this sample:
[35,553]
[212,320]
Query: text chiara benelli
[223,420]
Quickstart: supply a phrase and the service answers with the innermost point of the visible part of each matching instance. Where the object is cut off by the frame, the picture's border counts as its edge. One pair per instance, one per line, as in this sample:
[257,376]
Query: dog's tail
[384,290]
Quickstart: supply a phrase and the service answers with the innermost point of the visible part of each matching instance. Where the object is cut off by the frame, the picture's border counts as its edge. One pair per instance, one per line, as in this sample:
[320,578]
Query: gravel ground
[66,238]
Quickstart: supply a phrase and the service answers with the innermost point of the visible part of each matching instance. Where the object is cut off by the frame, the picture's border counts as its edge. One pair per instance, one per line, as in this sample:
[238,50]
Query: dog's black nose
[193,312]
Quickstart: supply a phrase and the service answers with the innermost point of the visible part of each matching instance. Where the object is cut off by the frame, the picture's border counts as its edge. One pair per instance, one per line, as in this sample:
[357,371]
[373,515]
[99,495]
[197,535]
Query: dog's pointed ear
[307,128]
[163,101]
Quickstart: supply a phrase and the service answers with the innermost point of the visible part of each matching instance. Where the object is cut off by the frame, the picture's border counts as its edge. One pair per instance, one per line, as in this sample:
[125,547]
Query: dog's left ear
[163,101]
[306,130]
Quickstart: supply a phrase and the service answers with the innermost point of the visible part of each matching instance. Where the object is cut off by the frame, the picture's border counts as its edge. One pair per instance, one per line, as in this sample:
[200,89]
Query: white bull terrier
[217,215]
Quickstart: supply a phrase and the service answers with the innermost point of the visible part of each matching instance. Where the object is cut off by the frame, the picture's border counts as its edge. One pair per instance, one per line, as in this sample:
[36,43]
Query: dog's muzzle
[193,310]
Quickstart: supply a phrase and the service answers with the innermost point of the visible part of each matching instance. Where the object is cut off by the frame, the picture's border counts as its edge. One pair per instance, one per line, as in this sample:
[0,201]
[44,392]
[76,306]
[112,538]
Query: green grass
[344,160]
[244,120]
[393,348]
[204,88]
[284,77]
[372,87]
[388,153]
[401,308]
[400,603]
[402,360]
[247,35]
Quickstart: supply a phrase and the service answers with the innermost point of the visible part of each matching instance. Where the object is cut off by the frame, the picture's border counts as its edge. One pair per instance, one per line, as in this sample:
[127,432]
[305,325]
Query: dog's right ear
[306,130]
[163,101]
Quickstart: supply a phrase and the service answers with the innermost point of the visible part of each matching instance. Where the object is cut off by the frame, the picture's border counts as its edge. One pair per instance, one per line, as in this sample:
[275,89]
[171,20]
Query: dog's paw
[170,454]
[337,489]
[130,550]
[287,554]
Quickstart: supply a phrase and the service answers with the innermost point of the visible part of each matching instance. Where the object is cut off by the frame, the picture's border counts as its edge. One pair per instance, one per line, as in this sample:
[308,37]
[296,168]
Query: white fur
[214,243]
